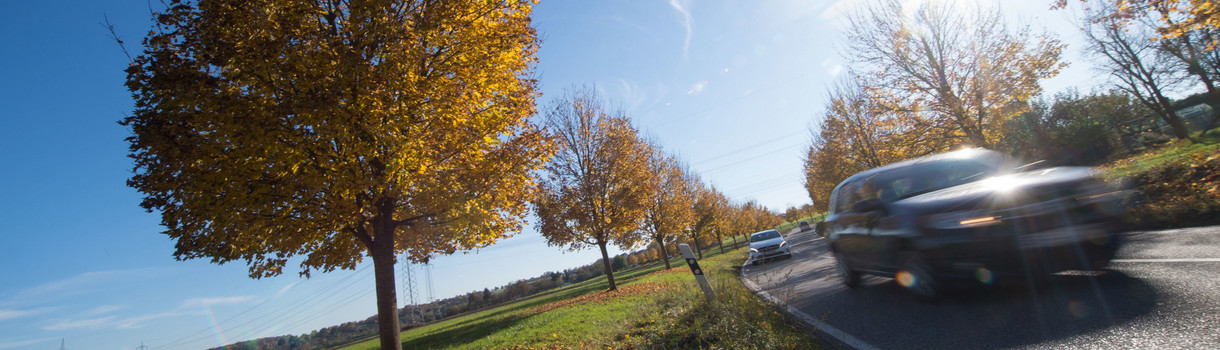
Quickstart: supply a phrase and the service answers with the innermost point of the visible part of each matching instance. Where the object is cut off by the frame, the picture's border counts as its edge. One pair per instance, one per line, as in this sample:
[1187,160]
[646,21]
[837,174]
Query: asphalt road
[1161,292]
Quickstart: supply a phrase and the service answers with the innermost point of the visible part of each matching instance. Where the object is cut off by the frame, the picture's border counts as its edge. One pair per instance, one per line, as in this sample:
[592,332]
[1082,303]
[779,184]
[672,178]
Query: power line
[739,150]
[195,337]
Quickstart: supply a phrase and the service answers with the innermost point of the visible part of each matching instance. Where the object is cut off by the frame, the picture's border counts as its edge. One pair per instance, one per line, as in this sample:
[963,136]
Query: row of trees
[417,315]
[606,184]
[945,76]
[331,131]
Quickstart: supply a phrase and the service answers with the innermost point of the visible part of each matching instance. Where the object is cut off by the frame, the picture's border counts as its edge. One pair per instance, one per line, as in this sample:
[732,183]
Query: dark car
[969,215]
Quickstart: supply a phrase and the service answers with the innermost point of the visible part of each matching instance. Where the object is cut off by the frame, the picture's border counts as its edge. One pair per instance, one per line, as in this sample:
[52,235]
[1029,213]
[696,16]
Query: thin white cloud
[638,27]
[104,309]
[14,344]
[12,314]
[138,321]
[7,314]
[193,306]
[87,323]
[84,283]
[683,8]
[284,290]
[213,301]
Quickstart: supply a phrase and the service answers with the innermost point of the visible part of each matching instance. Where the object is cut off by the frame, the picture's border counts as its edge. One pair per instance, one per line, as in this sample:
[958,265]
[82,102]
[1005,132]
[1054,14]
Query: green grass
[1169,154]
[652,309]
[1175,185]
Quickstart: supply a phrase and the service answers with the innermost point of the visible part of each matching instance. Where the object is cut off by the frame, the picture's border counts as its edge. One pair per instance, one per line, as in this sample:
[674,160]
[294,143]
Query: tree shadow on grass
[479,326]
[460,335]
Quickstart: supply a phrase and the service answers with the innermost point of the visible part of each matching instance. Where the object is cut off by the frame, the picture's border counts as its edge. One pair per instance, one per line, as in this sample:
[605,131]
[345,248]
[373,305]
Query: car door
[848,228]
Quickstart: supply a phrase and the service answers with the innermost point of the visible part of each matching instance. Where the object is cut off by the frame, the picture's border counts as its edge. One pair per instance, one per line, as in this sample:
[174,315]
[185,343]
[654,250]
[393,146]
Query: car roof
[965,153]
[763,231]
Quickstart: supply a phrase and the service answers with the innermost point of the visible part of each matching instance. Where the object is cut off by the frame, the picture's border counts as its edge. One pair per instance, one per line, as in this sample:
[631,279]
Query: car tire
[850,277]
[1105,252]
[923,283]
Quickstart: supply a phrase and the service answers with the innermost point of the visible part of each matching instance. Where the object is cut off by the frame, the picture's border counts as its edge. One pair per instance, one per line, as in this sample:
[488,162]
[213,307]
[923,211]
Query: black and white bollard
[694,268]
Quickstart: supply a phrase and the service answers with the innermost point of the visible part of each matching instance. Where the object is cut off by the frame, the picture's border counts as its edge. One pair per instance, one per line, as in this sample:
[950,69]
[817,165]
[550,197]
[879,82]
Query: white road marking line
[844,337]
[1166,260]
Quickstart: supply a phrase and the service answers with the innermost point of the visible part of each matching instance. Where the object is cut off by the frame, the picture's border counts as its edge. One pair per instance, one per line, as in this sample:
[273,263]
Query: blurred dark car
[969,215]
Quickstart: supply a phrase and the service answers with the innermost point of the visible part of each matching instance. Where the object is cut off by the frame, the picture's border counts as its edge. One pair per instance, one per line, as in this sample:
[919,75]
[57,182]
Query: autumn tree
[671,207]
[796,213]
[1130,57]
[961,74]
[1171,18]
[709,212]
[598,186]
[335,130]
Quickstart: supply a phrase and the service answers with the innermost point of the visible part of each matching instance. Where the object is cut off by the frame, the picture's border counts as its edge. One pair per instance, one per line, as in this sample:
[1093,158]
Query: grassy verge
[653,308]
[1175,185]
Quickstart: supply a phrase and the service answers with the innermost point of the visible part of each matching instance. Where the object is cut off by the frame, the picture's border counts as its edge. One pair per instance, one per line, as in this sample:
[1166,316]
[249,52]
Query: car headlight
[783,244]
[963,219]
[752,250]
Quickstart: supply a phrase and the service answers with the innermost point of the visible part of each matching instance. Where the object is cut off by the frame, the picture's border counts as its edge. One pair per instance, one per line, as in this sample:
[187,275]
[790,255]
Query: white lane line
[846,339]
[1166,260]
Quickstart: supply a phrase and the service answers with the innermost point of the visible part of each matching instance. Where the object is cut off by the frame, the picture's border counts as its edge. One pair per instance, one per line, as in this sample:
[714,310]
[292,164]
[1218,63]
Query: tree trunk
[734,241]
[387,300]
[1171,117]
[698,248]
[606,264]
[664,253]
[720,241]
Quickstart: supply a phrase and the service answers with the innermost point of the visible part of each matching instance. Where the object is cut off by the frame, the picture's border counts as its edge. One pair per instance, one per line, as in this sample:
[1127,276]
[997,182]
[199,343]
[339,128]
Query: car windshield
[765,235]
[930,176]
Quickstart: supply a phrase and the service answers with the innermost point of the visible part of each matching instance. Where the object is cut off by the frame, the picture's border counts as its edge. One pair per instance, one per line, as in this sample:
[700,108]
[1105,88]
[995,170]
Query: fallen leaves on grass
[602,296]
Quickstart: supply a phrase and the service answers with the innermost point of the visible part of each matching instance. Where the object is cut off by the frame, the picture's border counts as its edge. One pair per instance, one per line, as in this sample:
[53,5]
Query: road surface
[1161,292]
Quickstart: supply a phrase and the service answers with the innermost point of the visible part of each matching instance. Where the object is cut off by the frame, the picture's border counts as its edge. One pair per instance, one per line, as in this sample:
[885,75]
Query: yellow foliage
[269,129]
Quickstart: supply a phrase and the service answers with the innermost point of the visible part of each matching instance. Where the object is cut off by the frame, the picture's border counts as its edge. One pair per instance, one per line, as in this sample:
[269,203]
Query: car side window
[849,193]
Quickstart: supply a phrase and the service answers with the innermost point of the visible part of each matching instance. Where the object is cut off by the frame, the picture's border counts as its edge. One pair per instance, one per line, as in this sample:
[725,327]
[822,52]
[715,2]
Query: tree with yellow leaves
[334,130]
[599,185]
[710,211]
[859,131]
[672,206]
[961,74]
[1175,17]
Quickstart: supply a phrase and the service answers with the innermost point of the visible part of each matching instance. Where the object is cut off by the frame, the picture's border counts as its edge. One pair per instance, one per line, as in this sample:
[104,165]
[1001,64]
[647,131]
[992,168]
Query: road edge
[821,329]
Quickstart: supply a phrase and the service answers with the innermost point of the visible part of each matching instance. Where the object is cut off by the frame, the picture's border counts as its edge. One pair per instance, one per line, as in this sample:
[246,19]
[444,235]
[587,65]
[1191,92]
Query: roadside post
[694,269]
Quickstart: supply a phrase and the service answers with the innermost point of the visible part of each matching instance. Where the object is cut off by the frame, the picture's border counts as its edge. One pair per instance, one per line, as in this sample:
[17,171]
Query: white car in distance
[766,245]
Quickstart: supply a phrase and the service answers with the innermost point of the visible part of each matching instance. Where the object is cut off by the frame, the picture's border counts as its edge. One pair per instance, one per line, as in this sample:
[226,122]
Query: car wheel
[916,275]
[850,277]
[1103,253]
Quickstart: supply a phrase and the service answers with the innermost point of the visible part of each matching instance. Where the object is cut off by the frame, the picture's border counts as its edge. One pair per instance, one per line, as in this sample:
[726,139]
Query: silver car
[769,244]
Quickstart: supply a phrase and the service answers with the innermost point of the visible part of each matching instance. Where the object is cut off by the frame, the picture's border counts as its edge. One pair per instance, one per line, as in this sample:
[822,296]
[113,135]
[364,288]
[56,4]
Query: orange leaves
[650,288]
[265,130]
[597,184]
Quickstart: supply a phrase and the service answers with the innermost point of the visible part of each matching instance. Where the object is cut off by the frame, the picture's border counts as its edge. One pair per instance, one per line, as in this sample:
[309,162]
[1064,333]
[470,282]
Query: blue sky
[731,86]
